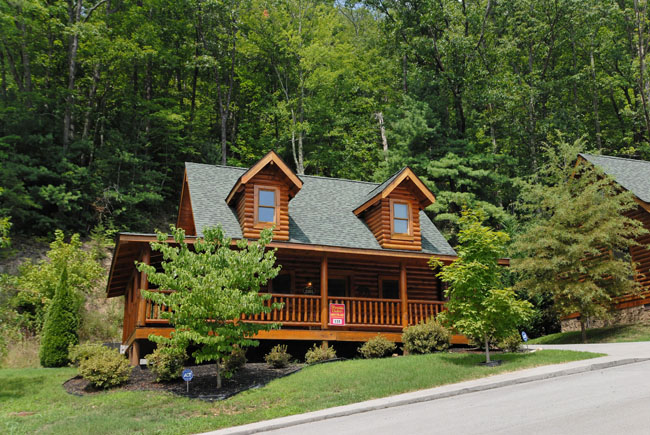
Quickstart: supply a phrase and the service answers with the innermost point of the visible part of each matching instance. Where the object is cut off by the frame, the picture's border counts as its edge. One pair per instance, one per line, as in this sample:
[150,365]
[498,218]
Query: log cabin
[634,176]
[361,245]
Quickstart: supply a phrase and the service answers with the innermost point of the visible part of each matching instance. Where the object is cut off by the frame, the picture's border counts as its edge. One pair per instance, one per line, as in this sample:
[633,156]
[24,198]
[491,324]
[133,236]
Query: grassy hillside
[610,334]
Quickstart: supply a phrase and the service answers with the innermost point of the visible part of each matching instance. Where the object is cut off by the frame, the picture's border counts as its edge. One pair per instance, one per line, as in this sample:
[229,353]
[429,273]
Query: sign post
[187,375]
[337,314]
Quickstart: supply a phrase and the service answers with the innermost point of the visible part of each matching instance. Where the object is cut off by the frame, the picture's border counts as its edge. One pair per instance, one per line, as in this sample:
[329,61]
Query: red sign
[337,314]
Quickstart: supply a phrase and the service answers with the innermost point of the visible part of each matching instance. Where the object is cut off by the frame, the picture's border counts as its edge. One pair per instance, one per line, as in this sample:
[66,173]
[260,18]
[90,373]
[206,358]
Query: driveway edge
[394,401]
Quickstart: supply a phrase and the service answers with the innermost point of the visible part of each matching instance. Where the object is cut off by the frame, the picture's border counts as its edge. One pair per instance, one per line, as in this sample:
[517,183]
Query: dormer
[261,197]
[392,210]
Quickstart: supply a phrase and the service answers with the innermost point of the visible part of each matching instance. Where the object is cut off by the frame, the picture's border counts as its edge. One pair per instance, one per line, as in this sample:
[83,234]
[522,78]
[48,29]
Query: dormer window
[401,218]
[266,206]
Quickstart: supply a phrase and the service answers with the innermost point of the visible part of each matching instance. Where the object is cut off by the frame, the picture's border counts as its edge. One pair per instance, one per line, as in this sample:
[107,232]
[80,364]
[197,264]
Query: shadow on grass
[15,388]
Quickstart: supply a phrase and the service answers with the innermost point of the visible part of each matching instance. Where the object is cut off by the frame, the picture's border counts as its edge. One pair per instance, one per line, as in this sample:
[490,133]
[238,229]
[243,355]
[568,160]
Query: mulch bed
[203,386]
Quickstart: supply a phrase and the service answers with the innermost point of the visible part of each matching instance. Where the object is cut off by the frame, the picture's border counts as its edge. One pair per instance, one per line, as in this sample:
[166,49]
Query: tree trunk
[640,19]
[487,350]
[74,11]
[583,330]
[594,97]
[218,375]
[382,131]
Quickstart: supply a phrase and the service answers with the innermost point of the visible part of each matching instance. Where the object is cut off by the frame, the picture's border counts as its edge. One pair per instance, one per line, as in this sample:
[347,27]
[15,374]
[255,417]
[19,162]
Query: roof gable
[422,192]
[321,213]
[273,159]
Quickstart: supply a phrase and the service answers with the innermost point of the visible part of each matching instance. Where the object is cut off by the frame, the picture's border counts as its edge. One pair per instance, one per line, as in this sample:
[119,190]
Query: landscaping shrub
[61,324]
[278,357]
[101,366]
[426,337]
[166,363]
[377,347]
[511,343]
[318,353]
[235,361]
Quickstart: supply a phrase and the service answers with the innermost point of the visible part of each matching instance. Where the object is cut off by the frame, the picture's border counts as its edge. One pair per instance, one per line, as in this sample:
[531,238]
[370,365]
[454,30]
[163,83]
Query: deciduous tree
[576,246]
[212,285]
[479,305]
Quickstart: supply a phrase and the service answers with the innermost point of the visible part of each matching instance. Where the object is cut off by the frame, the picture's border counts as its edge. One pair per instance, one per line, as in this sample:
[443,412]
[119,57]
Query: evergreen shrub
[377,347]
[511,343]
[61,326]
[166,363]
[318,353]
[426,337]
[278,357]
[101,366]
[235,361]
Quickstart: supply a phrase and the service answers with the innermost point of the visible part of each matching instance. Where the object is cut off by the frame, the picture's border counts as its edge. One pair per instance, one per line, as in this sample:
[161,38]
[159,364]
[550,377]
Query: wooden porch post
[402,294]
[324,311]
[143,284]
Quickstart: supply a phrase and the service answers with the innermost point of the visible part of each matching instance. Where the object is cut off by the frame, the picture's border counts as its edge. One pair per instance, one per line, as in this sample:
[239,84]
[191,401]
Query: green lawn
[33,400]
[610,334]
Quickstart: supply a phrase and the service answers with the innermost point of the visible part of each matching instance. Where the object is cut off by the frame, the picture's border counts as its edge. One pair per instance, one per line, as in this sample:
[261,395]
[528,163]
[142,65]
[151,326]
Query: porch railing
[370,312]
[305,310]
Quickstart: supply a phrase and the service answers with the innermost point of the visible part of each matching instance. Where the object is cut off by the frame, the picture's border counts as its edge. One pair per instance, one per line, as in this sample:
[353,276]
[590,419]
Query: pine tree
[576,248]
[61,325]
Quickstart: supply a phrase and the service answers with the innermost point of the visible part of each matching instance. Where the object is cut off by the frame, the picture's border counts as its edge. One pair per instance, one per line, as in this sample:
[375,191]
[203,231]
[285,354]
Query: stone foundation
[625,316]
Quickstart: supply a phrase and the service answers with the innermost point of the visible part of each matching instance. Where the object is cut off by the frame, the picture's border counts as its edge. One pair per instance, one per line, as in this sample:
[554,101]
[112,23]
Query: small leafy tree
[212,286]
[61,324]
[479,306]
[37,282]
[576,246]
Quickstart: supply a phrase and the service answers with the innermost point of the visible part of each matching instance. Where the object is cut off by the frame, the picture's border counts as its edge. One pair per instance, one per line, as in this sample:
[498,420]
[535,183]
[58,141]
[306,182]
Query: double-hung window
[400,218]
[266,208]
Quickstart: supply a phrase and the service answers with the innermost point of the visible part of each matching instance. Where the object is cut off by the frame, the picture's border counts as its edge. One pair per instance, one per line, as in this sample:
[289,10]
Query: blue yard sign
[187,375]
[524,336]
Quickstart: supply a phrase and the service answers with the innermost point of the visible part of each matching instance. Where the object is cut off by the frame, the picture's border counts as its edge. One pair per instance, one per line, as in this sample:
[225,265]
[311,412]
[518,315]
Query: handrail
[305,310]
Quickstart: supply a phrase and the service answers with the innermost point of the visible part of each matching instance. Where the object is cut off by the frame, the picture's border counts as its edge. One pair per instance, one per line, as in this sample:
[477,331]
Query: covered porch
[380,293]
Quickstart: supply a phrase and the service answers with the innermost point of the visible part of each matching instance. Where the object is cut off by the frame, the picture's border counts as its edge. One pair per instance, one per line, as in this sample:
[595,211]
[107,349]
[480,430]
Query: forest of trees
[101,101]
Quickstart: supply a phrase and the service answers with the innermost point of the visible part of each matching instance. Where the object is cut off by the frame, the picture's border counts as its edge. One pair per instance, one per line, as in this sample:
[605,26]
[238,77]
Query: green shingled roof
[633,175]
[320,214]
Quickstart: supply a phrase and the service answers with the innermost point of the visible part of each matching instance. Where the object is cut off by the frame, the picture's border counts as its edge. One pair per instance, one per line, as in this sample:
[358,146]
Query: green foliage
[576,246]
[60,330]
[235,361]
[278,357]
[211,285]
[166,363]
[101,366]
[318,353]
[37,282]
[81,352]
[511,343]
[426,337]
[377,347]
[479,307]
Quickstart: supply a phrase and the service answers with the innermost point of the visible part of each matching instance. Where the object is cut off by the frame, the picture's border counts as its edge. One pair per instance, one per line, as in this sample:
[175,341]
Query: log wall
[245,205]
[378,218]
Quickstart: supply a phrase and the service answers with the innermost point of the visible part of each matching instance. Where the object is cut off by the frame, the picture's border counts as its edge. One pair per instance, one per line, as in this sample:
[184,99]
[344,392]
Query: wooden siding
[185,215]
[245,205]
[641,254]
[378,218]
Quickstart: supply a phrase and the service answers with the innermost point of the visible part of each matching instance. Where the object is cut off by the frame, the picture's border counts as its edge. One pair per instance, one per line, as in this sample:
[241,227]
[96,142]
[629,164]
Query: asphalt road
[610,401]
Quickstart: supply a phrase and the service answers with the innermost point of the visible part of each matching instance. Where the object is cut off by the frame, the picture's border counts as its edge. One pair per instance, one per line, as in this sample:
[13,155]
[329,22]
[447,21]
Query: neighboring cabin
[363,245]
[632,175]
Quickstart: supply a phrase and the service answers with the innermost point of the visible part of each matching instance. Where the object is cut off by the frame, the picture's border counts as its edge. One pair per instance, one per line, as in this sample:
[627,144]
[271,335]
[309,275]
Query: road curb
[295,420]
